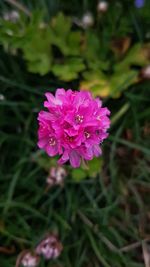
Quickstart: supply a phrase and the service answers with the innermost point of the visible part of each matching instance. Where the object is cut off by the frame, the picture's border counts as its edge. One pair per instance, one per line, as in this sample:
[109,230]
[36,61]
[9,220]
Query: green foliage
[55,47]
[89,169]
[95,167]
[92,169]
[78,175]
[67,41]
[122,80]
[37,46]
[138,55]
[12,34]
[97,82]
[102,85]
[69,69]
[36,40]
[92,52]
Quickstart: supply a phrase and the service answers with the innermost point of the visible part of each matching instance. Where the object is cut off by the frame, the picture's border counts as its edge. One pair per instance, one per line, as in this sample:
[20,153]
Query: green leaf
[73,43]
[12,33]
[102,86]
[69,70]
[41,64]
[66,40]
[61,25]
[78,175]
[92,52]
[122,80]
[95,166]
[37,50]
[137,55]
[96,82]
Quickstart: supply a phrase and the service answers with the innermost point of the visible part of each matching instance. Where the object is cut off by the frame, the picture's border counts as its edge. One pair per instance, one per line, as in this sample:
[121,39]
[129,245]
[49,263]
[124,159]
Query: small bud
[145,72]
[27,259]
[56,176]
[87,20]
[102,6]
[2,97]
[50,247]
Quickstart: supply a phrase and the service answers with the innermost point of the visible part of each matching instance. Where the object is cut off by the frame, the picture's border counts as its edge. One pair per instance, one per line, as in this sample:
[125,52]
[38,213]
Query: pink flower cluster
[74,126]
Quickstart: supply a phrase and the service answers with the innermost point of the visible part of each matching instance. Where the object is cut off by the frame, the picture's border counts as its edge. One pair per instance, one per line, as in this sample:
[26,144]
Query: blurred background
[100,212]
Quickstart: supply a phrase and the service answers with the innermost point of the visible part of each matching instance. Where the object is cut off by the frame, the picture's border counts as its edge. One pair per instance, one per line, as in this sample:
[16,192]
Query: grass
[101,222]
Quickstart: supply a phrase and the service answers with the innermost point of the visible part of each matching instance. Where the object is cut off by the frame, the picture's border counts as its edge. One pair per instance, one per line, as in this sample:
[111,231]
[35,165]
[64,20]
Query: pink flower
[74,126]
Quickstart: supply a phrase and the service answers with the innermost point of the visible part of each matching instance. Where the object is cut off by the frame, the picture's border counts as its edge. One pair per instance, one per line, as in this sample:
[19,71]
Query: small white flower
[87,20]
[30,260]
[102,6]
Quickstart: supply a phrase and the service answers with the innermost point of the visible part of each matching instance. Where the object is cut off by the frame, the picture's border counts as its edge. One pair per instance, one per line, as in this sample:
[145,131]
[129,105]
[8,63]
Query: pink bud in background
[50,247]
[56,176]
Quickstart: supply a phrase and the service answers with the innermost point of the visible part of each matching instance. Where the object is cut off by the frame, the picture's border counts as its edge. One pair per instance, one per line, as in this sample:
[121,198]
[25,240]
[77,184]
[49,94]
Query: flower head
[73,127]
[50,247]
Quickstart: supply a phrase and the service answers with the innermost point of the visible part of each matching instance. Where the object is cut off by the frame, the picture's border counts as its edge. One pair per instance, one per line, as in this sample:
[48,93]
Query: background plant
[102,221]
[47,44]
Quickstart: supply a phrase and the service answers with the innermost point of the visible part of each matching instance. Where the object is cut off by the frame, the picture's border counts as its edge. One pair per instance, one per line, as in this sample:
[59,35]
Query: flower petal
[42,142]
[75,159]
[51,150]
[64,158]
